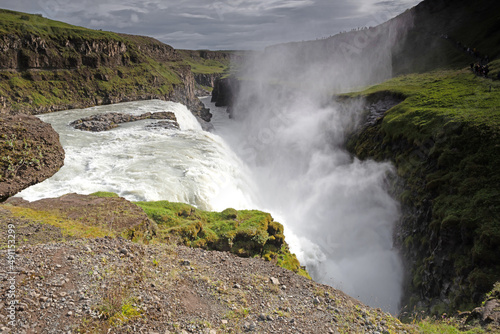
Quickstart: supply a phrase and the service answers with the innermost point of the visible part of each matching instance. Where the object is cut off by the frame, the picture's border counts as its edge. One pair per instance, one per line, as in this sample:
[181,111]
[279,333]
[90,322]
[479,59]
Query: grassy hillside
[444,139]
[207,62]
[18,23]
[49,65]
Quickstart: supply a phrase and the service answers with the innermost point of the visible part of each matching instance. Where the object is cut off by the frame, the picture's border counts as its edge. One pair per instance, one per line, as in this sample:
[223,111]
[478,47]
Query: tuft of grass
[104,194]
[446,326]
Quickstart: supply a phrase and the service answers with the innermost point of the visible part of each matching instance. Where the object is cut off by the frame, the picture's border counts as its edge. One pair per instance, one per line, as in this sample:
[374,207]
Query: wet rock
[105,122]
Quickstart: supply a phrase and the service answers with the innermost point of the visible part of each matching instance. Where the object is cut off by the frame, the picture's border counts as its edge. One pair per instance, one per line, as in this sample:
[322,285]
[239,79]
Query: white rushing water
[140,164]
[337,215]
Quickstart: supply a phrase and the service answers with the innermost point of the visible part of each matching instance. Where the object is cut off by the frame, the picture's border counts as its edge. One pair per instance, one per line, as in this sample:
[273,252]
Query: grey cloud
[218,24]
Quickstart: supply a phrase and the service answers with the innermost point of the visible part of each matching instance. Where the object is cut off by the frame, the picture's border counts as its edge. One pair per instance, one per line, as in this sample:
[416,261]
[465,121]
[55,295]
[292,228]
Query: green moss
[17,153]
[71,228]
[246,233]
[444,141]
[104,194]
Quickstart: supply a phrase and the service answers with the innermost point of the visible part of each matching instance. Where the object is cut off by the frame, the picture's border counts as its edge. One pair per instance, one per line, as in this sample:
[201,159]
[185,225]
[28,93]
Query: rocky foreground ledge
[93,264]
[111,285]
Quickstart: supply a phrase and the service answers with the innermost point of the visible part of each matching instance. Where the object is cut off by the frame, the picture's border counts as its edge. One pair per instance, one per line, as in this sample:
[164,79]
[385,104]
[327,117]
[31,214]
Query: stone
[274,280]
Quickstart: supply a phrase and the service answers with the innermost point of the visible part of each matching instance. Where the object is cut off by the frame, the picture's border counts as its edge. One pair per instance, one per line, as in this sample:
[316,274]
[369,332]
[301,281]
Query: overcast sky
[219,24]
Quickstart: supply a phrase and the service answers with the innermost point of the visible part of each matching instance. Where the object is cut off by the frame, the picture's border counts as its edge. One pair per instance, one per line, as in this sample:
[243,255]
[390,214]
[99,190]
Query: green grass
[207,66]
[435,327]
[205,62]
[104,194]
[246,233]
[69,227]
[78,80]
[12,22]
[444,141]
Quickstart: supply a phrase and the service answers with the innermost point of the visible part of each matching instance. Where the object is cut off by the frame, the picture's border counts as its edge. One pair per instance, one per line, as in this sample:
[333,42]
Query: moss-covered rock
[244,233]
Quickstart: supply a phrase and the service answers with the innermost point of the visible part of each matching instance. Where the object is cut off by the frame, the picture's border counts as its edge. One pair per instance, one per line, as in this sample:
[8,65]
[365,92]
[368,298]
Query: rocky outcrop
[105,122]
[207,79]
[225,92]
[30,152]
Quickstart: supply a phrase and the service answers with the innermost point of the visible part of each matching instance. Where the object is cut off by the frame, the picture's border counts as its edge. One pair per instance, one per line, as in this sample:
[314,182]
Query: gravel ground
[108,285]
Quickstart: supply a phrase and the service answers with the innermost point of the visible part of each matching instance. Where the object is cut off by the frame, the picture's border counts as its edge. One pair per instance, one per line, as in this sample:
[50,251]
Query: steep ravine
[448,252]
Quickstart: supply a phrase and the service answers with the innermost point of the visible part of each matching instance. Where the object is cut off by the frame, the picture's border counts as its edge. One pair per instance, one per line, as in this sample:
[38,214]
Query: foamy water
[187,165]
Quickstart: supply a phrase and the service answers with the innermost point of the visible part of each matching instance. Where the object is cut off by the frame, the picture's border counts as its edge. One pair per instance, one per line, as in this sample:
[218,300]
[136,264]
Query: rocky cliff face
[225,92]
[449,257]
[64,68]
[32,52]
[207,79]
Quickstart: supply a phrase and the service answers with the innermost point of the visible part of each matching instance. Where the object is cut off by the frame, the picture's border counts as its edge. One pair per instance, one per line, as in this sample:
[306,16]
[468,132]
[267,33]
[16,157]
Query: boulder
[104,122]
[30,152]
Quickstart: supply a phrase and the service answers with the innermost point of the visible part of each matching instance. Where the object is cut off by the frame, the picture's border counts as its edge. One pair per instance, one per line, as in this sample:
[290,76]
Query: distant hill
[442,29]
[414,41]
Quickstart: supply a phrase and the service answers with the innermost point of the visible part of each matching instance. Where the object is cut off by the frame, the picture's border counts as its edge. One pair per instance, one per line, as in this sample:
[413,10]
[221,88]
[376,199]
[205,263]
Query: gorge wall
[448,233]
[47,66]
